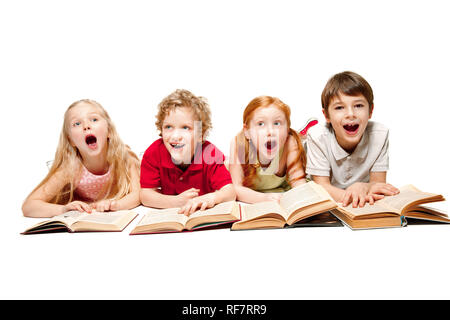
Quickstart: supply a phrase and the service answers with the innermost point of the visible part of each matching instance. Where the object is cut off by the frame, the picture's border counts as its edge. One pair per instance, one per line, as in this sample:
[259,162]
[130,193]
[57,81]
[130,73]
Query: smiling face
[348,115]
[181,133]
[87,130]
[268,131]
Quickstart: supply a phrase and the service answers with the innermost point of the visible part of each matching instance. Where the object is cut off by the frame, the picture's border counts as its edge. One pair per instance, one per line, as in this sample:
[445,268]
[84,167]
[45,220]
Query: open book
[75,221]
[169,220]
[296,205]
[393,211]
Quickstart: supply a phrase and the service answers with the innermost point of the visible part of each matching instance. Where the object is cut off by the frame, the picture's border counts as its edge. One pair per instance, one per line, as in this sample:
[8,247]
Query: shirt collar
[360,152]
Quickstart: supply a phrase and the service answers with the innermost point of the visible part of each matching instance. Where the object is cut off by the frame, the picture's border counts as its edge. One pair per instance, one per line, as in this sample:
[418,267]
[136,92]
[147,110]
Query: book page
[368,209]
[69,217]
[163,215]
[112,217]
[407,195]
[252,211]
[302,196]
[221,208]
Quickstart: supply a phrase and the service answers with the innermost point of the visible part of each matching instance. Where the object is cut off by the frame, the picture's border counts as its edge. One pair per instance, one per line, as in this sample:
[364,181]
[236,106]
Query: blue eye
[186,128]
[167,127]
[94,119]
[277,123]
[76,124]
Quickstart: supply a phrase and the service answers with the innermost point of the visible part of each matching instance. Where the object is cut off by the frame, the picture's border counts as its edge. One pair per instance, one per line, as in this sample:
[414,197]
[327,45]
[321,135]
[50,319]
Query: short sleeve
[382,162]
[150,168]
[218,174]
[317,163]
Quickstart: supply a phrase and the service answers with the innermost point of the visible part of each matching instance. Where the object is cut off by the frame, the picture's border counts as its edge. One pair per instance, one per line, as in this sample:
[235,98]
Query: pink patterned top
[91,185]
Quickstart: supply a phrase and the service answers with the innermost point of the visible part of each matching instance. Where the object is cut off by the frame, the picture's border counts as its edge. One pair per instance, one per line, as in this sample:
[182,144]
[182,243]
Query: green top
[267,180]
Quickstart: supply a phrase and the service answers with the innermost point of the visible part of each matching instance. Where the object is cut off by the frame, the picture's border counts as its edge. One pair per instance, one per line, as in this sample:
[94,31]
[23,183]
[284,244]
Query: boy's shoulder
[320,132]
[154,148]
[376,128]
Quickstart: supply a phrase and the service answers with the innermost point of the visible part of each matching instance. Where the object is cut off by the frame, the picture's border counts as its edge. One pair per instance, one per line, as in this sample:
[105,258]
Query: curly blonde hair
[184,98]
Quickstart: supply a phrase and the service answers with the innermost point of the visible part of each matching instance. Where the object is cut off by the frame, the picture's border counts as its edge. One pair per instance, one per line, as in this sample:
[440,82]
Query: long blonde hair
[247,153]
[68,161]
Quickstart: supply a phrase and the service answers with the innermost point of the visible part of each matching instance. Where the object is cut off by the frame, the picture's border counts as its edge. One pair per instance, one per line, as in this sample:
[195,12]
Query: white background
[128,55]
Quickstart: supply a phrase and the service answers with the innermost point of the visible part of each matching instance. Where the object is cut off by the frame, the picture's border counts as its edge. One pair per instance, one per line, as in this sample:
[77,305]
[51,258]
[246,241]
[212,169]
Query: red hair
[247,154]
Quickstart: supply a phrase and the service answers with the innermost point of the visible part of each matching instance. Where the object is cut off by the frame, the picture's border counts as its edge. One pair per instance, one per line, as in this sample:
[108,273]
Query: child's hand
[187,195]
[77,205]
[384,189]
[378,190]
[203,202]
[356,194]
[106,205]
[273,196]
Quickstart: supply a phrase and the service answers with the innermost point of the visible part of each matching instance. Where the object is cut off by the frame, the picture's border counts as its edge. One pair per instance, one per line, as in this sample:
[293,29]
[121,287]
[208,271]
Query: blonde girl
[267,156]
[92,170]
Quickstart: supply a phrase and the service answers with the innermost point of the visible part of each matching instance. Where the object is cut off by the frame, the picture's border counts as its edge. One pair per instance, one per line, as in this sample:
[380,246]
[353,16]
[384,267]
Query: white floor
[301,263]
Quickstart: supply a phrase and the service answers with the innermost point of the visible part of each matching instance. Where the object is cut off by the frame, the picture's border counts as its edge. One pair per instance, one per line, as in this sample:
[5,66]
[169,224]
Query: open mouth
[177,145]
[91,141]
[351,128]
[270,145]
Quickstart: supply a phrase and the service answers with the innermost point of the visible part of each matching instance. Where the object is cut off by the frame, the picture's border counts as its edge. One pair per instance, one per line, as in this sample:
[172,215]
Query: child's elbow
[230,193]
[145,197]
[25,210]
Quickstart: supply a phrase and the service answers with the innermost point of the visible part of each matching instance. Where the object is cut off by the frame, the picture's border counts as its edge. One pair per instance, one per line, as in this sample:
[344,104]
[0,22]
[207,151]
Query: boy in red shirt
[181,169]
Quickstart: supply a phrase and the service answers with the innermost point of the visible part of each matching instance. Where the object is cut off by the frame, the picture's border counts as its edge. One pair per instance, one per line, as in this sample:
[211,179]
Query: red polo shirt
[207,172]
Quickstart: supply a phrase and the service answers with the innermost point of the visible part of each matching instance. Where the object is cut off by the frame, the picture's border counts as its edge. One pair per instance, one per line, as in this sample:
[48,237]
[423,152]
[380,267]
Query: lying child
[349,157]
[181,169]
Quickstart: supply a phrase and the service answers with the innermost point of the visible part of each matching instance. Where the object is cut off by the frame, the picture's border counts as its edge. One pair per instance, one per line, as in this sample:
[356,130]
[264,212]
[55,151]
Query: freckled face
[349,116]
[267,131]
[181,134]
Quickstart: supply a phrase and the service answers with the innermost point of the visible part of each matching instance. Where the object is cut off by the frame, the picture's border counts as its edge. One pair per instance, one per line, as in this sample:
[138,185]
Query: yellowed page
[70,217]
[112,217]
[252,211]
[367,210]
[408,194]
[164,215]
[221,208]
[303,196]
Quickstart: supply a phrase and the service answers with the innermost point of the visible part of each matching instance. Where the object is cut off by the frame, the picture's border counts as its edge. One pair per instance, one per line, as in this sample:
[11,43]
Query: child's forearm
[226,193]
[248,195]
[34,208]
[155,199]
[336,193]
[130,201]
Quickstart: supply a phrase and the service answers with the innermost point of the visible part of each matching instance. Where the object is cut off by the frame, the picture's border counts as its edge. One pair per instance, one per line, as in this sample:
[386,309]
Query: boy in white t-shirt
[349,156]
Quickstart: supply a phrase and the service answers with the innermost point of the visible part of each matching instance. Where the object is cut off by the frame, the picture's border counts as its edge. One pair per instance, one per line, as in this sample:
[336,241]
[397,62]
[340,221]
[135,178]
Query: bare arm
[360,192]
[37,204]
[243,193]
[336,193]
[129,201]
[209,200]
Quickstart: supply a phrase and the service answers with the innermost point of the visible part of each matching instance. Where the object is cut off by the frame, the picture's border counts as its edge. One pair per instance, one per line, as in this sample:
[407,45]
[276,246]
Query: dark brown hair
[348,83]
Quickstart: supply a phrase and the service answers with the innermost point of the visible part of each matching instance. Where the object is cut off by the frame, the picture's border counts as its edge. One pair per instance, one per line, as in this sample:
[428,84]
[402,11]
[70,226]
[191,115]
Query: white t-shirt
[325,157]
